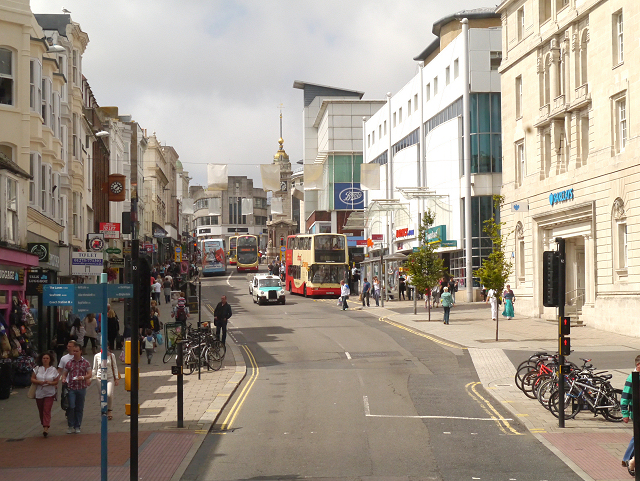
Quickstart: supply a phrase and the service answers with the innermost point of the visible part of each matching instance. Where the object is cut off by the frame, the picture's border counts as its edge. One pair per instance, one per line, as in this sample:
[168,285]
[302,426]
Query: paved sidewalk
[592,447]
[164,450]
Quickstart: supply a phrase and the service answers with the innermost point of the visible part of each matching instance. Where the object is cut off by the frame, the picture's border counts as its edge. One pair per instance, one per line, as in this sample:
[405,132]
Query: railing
[579,296]
[558,102]
[544,110]
[582,91]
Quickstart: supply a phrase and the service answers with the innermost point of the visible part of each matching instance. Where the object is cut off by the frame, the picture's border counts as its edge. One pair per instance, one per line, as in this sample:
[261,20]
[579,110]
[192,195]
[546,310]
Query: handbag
[31,393]
[216,321]
[64,398]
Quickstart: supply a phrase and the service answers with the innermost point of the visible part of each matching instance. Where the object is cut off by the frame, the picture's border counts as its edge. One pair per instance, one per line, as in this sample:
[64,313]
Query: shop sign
[377,237]
[347,196]
[362,242]
[415,249]
[404,233]
[86,263]
[95,242]
[158,231]
[36,279]
[40,249]
[561,196]
[111,230]
[522,206]
[436,234]
[11,275]
[148,247]
[116,262]
[178,254]
[115,250]
[449,243]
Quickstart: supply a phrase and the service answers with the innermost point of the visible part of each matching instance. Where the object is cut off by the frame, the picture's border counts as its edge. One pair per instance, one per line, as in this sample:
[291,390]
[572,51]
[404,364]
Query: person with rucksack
[181,311]
[149,345]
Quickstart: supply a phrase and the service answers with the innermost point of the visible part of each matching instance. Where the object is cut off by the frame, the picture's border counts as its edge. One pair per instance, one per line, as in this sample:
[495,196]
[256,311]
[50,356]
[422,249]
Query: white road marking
[348,355]
[367,413]
[228,283]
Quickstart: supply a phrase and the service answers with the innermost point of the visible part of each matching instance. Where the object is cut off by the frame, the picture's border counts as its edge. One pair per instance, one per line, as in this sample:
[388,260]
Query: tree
[496,269]
[425,265]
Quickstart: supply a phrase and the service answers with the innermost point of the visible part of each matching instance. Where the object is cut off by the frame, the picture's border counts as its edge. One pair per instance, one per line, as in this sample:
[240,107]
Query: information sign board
[119,290]
[89,299]
[111,230]
[58,295]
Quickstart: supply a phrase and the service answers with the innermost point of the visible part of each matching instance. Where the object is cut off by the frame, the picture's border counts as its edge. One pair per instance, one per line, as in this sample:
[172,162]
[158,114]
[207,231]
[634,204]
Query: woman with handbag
[113,377]
[43,388]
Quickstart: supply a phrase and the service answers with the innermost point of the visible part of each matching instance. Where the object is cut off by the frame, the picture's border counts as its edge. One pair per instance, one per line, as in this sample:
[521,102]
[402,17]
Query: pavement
[592,447]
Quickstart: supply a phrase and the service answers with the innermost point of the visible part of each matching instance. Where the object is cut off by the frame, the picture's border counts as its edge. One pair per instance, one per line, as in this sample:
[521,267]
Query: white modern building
[569,71]
[417,139]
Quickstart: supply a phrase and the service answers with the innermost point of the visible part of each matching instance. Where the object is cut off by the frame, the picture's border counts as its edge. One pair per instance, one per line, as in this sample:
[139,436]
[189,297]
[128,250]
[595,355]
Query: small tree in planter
[425,265]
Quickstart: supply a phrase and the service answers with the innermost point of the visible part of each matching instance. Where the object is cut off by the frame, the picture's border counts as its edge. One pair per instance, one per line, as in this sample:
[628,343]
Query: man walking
[344,292]
[626,406]
[221,316]
[366,291]
[77,373]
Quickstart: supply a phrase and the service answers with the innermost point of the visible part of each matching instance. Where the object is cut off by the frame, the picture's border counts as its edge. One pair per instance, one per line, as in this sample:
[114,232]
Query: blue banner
[58,294]
[347,196]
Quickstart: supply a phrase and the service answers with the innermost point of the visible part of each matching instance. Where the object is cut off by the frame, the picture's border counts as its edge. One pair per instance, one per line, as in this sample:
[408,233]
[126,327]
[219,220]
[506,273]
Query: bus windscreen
[329,248]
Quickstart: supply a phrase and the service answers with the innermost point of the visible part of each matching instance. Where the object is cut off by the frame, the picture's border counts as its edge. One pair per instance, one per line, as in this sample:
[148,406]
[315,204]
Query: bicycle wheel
[213,358]
[521,373]
[611,399]
[529,384]
[571,405]
[168,355]
[189,363]
[218,349]
[545,390]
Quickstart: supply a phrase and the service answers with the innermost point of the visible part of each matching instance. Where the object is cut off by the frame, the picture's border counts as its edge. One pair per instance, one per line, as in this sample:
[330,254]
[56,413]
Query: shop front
[13,264]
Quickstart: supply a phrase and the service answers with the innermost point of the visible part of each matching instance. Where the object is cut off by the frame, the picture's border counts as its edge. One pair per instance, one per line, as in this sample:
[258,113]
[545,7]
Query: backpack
[148,342]
[181,314]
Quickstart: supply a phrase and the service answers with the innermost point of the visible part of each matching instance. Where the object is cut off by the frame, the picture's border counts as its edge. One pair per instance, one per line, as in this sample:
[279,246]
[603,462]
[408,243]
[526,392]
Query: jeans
[365,295]
[222,327]
[376,296]
[447,309]
[628,454]
[344,302]
[76,407]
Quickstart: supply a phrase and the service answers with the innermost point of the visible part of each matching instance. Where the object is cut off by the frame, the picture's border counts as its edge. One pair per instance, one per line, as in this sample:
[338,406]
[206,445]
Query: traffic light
[565,326]
[565,346]
[551,279]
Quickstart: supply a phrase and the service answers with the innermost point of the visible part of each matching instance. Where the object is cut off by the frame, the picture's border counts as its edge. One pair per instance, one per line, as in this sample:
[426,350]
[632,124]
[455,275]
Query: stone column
[589,270]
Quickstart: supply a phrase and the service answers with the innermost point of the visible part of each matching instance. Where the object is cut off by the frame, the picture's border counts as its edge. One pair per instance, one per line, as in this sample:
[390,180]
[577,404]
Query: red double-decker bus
[316,263]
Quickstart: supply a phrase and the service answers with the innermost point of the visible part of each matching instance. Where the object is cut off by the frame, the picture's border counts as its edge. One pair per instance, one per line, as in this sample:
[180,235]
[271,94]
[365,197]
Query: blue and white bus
[214,257]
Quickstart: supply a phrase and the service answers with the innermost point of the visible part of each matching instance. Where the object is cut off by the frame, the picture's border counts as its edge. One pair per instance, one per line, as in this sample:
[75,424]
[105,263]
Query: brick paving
[164,449]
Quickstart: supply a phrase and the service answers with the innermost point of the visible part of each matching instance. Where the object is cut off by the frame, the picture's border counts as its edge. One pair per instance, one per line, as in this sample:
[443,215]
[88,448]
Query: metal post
[135,351]
[466,141]
[179,362]
[200,324]
[104,340]
[561,301]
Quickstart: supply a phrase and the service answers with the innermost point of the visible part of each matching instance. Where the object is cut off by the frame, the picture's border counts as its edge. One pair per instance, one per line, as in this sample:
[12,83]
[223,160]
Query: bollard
[179,362]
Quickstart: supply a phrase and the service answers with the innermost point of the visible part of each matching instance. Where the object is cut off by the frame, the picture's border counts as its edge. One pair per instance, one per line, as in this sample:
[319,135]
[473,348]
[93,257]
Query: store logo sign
[561,196]
[41,249]
[351,195]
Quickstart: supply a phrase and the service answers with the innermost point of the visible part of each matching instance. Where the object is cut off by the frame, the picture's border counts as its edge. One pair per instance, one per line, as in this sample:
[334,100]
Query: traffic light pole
[135,351]
[561,300]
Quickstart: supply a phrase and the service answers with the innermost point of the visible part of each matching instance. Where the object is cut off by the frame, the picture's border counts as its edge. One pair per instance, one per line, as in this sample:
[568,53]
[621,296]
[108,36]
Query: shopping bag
[64,397]
[31,393]
[159,339]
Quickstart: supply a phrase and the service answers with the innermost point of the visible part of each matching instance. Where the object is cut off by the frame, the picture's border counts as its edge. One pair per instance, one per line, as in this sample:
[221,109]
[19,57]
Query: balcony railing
[559,102]
[582,92]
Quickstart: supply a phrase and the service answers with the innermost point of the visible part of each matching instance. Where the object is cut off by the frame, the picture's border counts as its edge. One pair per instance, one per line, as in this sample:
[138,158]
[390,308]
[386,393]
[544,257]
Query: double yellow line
[421,334]
[486,406]
[255,371]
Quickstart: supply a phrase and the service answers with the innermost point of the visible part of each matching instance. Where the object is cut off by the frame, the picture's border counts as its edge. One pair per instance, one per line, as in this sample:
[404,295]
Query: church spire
[281,155]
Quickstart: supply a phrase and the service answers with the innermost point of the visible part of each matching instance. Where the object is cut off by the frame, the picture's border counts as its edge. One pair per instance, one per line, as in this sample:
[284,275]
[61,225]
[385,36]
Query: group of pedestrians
[277,269]
[494,299]
[370,290]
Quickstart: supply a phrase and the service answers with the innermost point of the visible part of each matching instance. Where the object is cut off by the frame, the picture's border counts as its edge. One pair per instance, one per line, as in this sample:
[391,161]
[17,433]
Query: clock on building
[283,186]
[116,187]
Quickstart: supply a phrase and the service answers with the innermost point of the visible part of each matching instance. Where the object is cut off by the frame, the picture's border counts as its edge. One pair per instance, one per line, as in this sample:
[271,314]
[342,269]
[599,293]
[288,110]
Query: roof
[54,21]
[311,91]
[7,164]
[433,46]
[476,13]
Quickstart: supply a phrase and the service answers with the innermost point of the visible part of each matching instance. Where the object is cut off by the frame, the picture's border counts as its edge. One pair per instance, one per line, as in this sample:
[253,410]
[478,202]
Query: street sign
[89,299]
[115,250]
[58,294]
[119,290]
[111,230]
[86,263]
[178,254]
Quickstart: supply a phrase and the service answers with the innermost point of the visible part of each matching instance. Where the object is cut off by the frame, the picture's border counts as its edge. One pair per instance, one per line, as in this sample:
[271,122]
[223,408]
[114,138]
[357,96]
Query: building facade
[570,167]
[417,139]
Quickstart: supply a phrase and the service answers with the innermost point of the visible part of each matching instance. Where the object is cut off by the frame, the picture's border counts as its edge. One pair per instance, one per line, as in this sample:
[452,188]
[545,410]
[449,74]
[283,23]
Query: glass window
[456,68]
[496,114]
[6,77]
[12,210]
[473,102]
[484,113]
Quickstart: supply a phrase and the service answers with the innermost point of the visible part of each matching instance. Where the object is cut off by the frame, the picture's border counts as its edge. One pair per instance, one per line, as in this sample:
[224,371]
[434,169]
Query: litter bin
[192,303]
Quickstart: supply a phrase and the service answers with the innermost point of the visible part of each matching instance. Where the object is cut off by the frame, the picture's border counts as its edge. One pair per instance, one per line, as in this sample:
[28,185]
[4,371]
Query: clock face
[116,187]
[283,186]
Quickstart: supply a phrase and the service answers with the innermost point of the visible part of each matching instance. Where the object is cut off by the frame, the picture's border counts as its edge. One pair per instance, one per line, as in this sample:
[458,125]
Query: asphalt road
[340,395]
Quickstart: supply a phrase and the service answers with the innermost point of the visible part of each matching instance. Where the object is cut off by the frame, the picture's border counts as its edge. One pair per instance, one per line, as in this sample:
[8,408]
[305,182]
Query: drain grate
[374,354]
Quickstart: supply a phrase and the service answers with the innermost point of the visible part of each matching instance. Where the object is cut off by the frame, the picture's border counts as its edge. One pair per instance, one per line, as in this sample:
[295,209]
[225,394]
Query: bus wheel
[290,288]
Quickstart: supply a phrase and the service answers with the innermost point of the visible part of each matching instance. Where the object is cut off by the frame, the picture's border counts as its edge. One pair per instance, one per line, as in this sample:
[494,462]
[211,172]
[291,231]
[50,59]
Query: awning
[158,230]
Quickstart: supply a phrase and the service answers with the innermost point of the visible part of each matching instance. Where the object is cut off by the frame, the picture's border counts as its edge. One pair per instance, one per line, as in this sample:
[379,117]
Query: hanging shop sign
[95,242]
[158,231]
[86,263]
[41,249]
[115,250]
[11,275]
[436,234]
[116,262]
[559,197]
[36,279]
[111,230]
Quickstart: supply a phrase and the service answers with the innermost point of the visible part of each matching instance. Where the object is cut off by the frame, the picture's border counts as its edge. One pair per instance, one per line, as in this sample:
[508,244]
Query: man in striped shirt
[626,406]
[77,373]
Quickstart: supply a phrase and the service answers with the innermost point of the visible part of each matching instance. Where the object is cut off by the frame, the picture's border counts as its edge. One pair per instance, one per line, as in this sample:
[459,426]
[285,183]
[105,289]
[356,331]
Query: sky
[211,77]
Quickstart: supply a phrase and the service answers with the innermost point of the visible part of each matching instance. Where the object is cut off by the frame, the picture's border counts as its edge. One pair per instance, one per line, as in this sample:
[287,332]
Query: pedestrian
[149,344]
[77,373]
[484,293]
[509,299]
[181,311]
[113,377]
[45,376]
[492,298]
[447,302]
[157,287]
[455,289]
[401,288]
[366,291]
[452,286]
[376,290]
[626,406]
[113,326]
[435,295]
[344,293]
[166,285]
[91,332]
[77,332]
[221,315]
